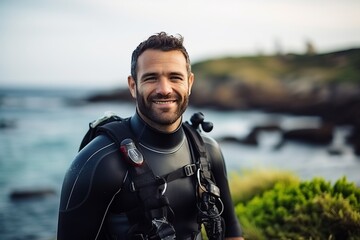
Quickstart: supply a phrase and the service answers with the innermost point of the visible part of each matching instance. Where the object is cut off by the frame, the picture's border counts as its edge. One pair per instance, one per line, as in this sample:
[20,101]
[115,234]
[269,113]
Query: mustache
[160,96]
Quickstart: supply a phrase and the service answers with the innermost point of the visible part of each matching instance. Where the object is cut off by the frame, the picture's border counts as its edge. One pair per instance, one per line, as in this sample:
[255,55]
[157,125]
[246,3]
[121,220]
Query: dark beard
[145,108]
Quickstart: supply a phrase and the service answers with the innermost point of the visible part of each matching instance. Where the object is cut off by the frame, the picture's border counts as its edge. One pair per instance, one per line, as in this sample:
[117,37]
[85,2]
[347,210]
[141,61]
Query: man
[99,200]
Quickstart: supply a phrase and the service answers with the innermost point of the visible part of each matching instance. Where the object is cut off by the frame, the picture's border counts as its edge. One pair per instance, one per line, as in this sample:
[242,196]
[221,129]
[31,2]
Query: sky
[88,43]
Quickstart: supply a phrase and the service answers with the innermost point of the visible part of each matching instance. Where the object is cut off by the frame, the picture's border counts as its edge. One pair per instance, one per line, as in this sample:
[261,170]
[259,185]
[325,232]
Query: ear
[132,86]
[191,81]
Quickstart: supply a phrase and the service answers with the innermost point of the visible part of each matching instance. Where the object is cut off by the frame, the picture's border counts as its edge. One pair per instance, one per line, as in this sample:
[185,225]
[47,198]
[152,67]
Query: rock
[252,138]
[122,94]
[354,140]
[322,135]
[7,123]
[31,193]
[335,151]
[246,141]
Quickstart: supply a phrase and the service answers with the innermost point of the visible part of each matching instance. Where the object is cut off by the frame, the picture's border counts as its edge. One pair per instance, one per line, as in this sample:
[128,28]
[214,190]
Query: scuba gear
[155,203]
[157,209]
[198,119]
[94,125]
[130,152]
[209,193]
[210,216]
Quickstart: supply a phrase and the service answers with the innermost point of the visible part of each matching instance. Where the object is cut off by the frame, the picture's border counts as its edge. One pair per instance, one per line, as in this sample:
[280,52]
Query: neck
[154,137]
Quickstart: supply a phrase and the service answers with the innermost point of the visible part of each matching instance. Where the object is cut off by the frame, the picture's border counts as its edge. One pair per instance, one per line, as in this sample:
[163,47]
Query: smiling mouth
[164,102]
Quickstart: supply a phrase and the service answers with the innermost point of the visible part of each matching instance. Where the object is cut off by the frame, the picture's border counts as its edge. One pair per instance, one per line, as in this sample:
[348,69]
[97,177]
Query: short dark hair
[161,41]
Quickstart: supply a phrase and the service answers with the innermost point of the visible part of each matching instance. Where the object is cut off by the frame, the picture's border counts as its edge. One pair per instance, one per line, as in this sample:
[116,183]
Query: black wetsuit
[96,194]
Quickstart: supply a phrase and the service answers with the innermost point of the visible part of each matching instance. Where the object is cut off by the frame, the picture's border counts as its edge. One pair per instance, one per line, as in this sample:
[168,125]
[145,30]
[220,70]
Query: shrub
[306,210]
[253,183]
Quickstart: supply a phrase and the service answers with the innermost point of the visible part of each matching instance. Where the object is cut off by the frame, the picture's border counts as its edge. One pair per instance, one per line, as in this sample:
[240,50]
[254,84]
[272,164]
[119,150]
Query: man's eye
[149,79]
[178,78]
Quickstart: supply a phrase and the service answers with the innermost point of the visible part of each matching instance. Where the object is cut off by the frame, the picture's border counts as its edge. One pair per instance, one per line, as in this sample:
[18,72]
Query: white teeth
[162,102]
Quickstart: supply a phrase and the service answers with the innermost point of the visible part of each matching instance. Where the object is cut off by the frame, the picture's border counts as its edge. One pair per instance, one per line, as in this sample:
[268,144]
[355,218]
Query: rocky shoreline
[336,106]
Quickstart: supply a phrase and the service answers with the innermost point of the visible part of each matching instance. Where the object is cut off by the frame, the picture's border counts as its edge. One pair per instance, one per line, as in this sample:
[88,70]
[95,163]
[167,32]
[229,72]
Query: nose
[164,86]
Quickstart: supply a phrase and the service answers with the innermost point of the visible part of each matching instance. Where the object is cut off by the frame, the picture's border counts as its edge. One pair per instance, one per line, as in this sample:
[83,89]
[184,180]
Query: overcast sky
[89,42]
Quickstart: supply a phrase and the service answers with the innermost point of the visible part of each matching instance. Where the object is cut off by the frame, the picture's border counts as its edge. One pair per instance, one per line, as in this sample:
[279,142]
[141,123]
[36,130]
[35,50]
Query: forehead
[157,59]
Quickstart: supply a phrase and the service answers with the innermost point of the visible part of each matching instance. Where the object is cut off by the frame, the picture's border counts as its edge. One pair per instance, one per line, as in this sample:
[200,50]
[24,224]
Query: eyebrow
[154,74]
[150,74]
[177,74]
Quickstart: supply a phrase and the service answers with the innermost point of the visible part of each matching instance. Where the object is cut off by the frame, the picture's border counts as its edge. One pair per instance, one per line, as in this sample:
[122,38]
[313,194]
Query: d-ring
[198,178]
[164,190]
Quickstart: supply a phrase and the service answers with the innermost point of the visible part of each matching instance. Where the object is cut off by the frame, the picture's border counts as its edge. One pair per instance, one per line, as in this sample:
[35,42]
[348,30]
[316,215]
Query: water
[36,151]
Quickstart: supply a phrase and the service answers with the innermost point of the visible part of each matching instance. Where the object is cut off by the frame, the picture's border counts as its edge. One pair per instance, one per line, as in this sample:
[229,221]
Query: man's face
[162,89]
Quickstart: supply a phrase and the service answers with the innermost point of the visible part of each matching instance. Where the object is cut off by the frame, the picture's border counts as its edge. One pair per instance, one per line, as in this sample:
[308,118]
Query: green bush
[305,210]
[251,183]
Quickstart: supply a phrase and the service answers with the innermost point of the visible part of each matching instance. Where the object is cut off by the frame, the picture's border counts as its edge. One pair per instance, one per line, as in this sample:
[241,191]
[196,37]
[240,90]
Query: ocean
[41,130]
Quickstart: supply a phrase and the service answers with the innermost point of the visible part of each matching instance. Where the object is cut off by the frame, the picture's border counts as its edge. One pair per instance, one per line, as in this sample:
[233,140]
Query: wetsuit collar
[154,138]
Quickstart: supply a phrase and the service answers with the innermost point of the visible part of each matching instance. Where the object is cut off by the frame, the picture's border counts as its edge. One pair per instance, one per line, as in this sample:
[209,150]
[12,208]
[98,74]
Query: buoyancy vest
[150,188]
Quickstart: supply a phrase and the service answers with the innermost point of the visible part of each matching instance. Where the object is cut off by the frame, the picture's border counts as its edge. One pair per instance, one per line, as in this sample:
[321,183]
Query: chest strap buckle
[189,170]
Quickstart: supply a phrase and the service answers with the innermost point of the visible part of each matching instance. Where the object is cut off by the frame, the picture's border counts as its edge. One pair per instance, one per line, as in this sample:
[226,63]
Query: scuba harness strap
[150,188]
[94,125]
[208,192]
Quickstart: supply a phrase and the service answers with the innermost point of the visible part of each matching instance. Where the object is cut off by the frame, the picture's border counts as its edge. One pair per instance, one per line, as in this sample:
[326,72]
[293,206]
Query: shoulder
[209,141]
[212,147]
[101,149]
[97,168]
[100,156]
[215,157]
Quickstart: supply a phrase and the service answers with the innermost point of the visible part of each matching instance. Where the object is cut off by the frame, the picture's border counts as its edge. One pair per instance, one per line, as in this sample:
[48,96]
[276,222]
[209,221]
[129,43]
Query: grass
[250,183]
